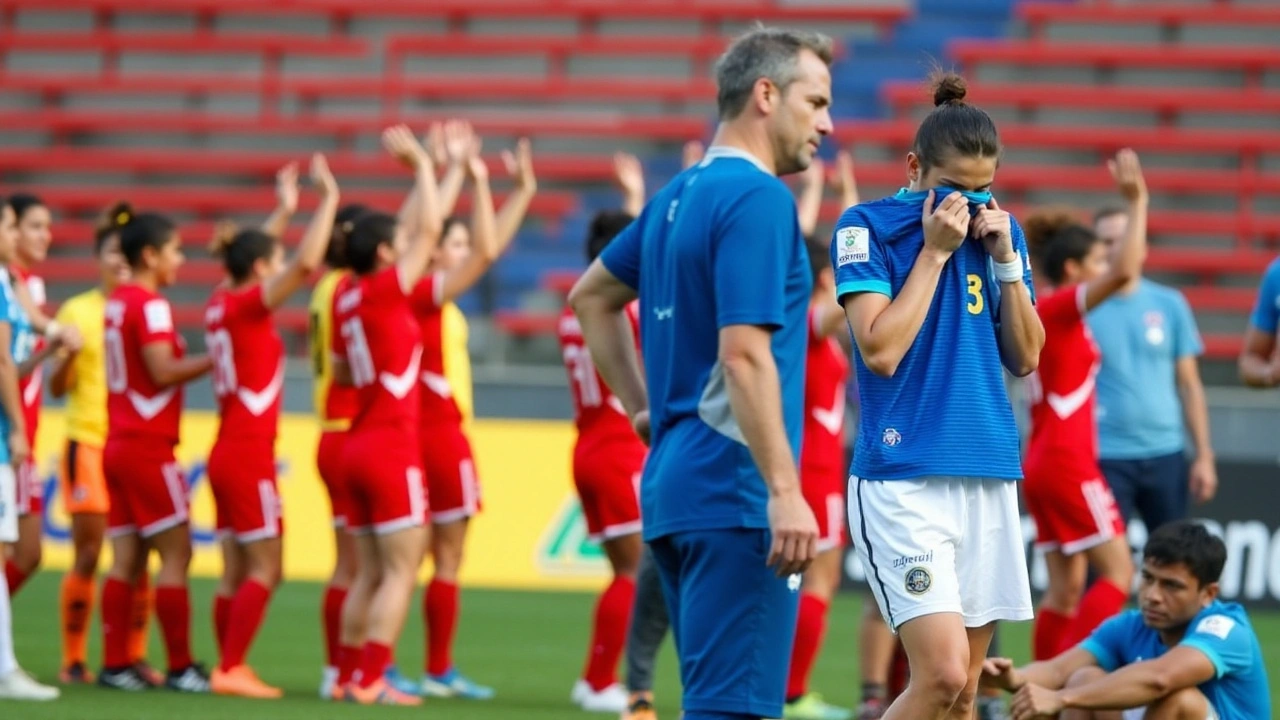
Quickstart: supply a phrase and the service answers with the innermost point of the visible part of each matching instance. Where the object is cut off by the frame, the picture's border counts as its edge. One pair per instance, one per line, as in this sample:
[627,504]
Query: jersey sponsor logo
[891,437]
[1154,320]
[1217,625]
[159,319]
[853,245]
[664,313]
[793,583]
[906,560]
[918,581]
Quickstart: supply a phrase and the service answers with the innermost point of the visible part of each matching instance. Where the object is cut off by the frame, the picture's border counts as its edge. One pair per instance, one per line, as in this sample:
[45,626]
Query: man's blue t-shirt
[22,343]
[945,412]
[720,245]
[1221,631]
[1266,311]
[1141,336]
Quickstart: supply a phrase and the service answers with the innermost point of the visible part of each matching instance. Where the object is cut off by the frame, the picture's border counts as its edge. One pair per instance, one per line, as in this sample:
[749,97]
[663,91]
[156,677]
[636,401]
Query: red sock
[15,577]
[440,606]
[117,601]
[332,616]
[348,663]
[811,626]
[1050,628]
[138,615]
[247,610]
[613,614]
[221,619]
[173,606]
[373,663]
[1100,602]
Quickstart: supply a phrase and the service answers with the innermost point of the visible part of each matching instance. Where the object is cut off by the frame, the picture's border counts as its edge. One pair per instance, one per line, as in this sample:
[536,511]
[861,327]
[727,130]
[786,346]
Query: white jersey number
[224,361]
[358,356]
[117,372]
[582,373]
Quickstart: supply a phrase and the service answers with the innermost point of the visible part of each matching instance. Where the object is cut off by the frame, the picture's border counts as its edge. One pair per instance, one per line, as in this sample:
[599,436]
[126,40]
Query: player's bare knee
[1184,704]
[1115,562]
[943,682]
[1063,594]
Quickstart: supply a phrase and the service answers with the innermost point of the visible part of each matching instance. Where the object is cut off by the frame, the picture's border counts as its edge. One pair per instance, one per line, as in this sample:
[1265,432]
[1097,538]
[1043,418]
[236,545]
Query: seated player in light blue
[1185,655]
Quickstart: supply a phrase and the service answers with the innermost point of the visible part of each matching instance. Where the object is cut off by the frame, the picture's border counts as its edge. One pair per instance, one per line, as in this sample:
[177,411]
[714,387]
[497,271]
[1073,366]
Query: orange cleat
[241,681]
[640,707]
[379,693]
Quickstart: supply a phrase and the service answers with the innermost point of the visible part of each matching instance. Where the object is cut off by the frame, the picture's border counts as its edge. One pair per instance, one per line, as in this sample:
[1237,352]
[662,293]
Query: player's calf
[938,648]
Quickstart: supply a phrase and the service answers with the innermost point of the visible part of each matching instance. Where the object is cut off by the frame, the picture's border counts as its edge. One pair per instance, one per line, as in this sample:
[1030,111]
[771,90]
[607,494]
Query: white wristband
[52,328]
[1009,272]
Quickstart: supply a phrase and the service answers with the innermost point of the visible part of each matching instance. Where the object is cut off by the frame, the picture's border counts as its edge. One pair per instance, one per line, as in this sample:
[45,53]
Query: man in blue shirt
[1148,387]
[1259,361]
[1184,654]
[719,264]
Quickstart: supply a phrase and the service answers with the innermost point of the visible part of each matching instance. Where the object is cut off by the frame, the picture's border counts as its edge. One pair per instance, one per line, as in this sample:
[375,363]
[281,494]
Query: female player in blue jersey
[937,290]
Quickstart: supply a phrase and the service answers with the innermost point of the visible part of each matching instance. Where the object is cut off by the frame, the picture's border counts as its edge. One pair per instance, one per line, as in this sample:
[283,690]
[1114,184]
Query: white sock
[8,663]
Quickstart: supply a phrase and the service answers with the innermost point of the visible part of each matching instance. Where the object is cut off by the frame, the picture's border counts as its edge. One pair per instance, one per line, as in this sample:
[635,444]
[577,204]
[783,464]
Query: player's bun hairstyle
[371,231]
[1186,542]
[22,202]
[116,217]
[1056,237]
[240,249]
[604,227]
[819,256]
[335,255]
[144,230]
[954,127]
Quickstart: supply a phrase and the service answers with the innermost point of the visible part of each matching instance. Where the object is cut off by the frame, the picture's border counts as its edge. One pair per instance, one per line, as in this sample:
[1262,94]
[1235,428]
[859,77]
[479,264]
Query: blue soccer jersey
[1266,311]
[22,342]
[720,245]
[1221,631]
[945,411]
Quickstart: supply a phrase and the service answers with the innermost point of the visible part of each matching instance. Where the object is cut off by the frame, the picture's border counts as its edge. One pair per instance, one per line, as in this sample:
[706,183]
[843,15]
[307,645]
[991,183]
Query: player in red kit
[1077,521]
[607,459]
[248,380]
[378,349]
[146,369]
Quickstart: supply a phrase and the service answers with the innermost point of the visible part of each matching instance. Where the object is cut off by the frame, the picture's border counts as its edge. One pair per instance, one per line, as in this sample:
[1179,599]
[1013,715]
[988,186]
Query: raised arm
[629,175]
[809,204]
[420,219]
[1126,265]
[514,208]
[450,144]
[310,254]
[286,201]
[485,250]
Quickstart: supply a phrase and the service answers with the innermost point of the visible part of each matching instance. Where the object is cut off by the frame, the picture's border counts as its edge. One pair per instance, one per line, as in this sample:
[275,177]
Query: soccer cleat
[810,706]
[453,685]
[75,674]
[612,699]
[329,689]
[870,710]
[581,689]
[193,679]
[148,674]
[379,693]
[640,707]
[242,681]
[125,678]
[18,685]
[401,683]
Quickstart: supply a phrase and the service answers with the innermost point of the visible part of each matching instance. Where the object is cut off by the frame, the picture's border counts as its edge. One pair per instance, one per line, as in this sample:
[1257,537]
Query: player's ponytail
[240,249]
[144,230]
[954,127]
[1056,237]
[116,217]
[370,232]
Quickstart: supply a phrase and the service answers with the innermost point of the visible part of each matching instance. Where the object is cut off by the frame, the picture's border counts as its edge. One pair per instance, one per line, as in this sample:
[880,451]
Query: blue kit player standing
[937,290]
[719,264]
[1184,655]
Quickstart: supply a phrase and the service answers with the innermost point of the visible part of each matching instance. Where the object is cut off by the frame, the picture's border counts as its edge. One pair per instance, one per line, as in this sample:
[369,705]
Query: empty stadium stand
[190,105]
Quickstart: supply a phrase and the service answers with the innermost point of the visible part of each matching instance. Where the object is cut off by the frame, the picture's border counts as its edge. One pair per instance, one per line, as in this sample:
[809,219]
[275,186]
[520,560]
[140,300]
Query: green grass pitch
[529,645]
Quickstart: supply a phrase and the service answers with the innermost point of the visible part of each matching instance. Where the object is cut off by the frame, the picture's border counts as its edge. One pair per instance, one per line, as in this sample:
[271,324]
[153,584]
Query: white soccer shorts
[942,545]
[8,504]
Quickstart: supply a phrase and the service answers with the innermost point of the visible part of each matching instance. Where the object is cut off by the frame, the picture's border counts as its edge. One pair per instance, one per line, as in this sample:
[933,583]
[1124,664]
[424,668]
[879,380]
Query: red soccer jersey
[381,342]
[826,372]
[136,405]
[339,400]
[248,362]
[438,405]
[598,415]
[1064,434]
[32,386]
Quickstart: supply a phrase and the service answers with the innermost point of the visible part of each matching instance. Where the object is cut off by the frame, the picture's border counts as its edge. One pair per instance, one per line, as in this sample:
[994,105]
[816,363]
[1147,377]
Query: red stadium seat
[1220,299]
[1038,52]
[180,42]
[561,281]
[902,96]
[1222,347]
[1167,14]
[519,323]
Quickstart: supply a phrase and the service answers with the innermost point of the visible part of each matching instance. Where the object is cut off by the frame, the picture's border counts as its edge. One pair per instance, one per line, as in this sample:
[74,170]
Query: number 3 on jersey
[976,303]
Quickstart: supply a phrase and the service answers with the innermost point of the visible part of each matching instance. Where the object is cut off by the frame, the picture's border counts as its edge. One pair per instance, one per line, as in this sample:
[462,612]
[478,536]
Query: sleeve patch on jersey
[853,245]
[1217,625]
[158,316]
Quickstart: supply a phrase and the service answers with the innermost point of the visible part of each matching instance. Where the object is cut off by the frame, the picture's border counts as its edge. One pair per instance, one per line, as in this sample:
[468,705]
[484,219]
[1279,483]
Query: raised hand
[400,143]
[1127,172]
[628,173]
[477,170]
[994,227]
[321,177]
[287,188]
[520,165]
[458,139]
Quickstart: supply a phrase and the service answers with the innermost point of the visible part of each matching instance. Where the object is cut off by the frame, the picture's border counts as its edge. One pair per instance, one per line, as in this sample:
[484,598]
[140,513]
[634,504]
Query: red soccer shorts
[330,464]
[242,475]
[452,484]
[824,489]
[1071,516]
[384,481]
[607,476]
[147,489]
[30,490]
